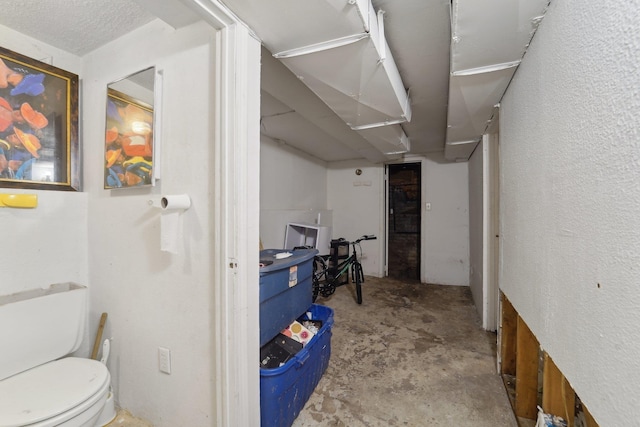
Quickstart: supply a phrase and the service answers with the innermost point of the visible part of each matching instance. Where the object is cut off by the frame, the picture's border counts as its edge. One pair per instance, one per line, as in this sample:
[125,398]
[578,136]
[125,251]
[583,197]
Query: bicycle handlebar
[366,237]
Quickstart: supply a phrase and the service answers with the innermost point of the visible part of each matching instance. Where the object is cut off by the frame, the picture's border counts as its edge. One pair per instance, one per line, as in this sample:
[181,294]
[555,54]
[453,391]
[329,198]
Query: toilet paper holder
[172,202]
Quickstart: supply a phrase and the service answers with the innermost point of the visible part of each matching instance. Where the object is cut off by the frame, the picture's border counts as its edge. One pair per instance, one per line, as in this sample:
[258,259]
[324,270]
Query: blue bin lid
[297,256]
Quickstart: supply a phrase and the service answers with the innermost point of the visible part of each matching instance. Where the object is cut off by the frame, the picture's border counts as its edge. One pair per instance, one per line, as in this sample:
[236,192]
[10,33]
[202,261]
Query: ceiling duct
[337,48]
[389,140]
[488,41]
[355,76]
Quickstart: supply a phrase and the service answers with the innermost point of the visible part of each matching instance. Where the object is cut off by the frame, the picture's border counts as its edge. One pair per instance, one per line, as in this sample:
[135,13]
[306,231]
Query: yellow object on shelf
[18,200]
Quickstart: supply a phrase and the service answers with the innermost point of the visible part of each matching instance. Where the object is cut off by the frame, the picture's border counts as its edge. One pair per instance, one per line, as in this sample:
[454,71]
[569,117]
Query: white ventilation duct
[389,140]
[471,101]
[355,76]
[338,49]
[489,38]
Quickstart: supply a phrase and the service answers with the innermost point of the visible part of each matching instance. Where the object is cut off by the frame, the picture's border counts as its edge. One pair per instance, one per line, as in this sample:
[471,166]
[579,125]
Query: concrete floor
[410,355]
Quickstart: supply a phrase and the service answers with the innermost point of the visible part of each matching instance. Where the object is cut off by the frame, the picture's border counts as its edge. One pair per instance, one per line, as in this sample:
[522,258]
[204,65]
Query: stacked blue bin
[285,390]
[286,295]
[285,289]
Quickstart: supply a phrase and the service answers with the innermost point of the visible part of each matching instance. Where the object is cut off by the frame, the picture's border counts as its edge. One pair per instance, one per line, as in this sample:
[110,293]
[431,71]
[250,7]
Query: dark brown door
[404,221]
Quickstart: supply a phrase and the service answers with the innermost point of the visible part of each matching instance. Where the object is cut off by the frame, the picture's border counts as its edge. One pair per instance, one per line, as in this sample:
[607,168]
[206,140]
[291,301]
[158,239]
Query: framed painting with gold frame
[39,146]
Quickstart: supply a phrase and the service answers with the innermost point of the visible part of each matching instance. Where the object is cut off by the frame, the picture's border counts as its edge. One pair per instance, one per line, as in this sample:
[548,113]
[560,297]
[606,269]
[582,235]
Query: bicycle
[326,278]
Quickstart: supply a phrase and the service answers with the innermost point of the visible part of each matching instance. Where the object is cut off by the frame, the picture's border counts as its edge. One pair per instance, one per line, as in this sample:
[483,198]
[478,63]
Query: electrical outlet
[164,360]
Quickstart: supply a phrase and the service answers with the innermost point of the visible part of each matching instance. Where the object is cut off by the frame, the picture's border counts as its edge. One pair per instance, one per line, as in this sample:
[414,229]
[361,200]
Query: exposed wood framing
[508,337]
[526,372]
[520,357]
[558,397]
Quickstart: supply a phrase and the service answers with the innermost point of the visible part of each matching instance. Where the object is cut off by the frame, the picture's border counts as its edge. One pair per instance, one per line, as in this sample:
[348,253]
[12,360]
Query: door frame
[407,159]
[491,227]
[236,213]
[387,209]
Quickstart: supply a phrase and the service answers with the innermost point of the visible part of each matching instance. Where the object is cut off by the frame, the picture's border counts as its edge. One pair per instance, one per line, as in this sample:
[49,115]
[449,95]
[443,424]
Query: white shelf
[301,234]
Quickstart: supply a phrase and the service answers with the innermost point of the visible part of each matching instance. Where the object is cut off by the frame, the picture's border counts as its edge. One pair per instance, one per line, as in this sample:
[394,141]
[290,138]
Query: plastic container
[285,289]
[285,390]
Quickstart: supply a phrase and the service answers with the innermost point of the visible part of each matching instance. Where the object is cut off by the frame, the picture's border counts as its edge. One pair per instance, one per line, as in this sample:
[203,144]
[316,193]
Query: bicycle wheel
[319,270]
[359,278]
[315,285]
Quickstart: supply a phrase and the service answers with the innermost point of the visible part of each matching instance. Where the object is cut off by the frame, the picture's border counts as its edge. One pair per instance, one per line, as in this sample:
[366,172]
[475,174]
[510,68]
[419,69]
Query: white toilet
[39,387]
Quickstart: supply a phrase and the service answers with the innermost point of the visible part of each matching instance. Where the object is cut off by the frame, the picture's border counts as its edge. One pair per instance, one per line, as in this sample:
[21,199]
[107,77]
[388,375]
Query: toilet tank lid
[50,389]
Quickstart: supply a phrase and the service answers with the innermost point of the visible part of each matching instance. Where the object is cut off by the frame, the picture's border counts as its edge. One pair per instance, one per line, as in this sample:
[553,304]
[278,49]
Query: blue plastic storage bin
[285,390]
[285,289]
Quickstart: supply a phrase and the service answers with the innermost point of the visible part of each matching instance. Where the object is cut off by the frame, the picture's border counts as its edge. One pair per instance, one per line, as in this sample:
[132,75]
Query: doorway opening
[404,220]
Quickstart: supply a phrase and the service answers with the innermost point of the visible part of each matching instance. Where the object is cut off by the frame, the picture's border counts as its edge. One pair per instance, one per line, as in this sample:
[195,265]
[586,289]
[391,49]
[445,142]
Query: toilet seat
[53,393]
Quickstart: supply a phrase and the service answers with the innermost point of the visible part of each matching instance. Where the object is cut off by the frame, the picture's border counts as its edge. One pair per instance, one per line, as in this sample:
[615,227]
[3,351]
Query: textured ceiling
[77,26]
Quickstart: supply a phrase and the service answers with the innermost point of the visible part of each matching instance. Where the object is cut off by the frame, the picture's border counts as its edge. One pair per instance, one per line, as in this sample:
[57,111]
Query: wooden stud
[508,332]
[526,372]
[558,397]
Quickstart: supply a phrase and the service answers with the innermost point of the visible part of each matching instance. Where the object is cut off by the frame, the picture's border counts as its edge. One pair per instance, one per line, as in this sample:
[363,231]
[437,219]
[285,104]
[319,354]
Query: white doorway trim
[491,243]
[385,237]
[236,212]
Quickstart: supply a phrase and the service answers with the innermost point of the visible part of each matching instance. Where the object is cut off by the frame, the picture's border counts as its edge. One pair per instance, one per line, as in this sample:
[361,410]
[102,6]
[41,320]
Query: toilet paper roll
[170,231]
[175,202]
[171,221]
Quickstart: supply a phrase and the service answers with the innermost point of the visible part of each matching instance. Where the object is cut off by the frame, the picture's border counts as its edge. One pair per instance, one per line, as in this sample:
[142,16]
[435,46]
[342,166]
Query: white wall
[445,249]
[357,202]
[570,201]
[358,208]
[154,298]
[293,188]
[44,245]
[476,229]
